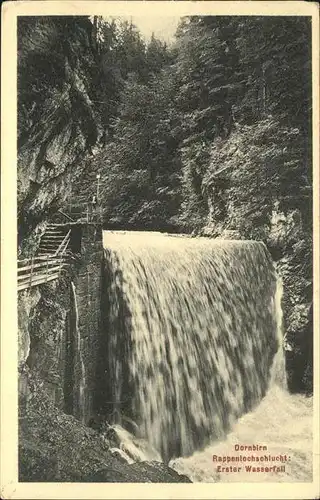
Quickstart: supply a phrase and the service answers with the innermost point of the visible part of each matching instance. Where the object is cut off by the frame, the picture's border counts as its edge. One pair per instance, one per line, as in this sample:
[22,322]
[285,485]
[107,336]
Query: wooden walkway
[53,254]
[41,269]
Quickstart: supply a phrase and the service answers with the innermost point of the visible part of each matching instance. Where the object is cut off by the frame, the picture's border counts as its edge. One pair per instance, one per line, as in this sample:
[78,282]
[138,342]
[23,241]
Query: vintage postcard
[159,250]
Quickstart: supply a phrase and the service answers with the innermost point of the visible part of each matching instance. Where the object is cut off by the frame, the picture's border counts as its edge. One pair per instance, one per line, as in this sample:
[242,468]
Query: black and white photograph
[165,220]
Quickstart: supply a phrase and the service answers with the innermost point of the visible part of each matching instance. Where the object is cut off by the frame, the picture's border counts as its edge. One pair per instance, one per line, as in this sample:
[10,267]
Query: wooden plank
[25,277]
[38,258]
[35,259]
[42,262]
[36,277]
[64,248]
[66,239]
[23,286]
[47,258]
[49,248]
[47,263]
[65,215]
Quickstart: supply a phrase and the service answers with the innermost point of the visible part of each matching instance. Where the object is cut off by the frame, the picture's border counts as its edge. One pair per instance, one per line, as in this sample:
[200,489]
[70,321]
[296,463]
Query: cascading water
[81,376]
[278,371]
[192,332]
[282,422]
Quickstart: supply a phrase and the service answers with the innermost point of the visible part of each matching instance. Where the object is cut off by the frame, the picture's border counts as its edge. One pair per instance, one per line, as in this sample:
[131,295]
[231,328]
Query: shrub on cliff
[257,162]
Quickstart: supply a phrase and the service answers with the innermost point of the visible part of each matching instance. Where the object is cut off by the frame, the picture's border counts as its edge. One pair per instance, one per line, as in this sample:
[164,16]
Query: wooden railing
[44,268]
[64,244]
[66,215]
[41,269]
[85,212]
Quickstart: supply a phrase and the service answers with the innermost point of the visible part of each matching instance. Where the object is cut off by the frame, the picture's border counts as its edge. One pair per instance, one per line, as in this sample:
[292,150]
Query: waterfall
[192,330]
[80,367]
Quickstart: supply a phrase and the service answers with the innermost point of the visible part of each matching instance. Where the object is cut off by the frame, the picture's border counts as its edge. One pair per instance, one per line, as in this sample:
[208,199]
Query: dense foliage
[230,95]
[228,88]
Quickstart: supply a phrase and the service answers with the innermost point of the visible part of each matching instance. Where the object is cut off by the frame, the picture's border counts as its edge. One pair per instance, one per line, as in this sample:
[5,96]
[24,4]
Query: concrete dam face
[191,328]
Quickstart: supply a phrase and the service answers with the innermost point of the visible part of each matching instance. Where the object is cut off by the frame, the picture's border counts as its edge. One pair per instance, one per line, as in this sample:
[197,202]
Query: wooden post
[47,268]
[98,185]
[70,204]
[31,271]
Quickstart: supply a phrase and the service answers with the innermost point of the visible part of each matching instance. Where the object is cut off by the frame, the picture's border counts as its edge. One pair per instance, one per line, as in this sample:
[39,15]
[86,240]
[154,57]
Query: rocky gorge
[241,170]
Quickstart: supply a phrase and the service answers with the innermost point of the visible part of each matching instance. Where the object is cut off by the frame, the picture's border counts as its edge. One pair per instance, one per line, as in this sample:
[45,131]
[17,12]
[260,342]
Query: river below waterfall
[193,353]
[282,422]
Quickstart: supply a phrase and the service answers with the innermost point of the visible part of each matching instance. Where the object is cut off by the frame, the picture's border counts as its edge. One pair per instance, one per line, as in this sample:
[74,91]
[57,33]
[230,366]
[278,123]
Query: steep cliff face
[290,241]
[43,320]
[57,123]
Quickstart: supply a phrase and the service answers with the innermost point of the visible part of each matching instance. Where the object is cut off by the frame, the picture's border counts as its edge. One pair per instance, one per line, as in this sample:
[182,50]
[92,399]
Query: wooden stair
[52,240]
[51,261]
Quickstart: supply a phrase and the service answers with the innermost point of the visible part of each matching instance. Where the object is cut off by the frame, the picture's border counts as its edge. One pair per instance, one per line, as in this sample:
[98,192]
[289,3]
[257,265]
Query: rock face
[54,446]
[57,123]
[42,327]
[28,300]
[290,243]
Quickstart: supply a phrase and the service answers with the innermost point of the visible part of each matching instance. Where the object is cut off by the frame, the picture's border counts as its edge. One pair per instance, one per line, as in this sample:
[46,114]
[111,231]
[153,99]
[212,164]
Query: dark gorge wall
[43,314]
[57,126]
